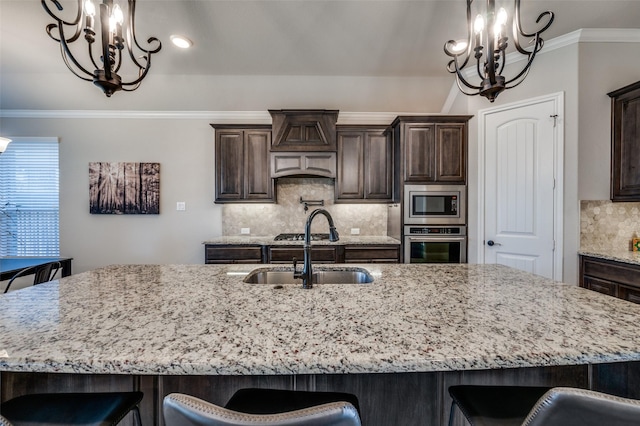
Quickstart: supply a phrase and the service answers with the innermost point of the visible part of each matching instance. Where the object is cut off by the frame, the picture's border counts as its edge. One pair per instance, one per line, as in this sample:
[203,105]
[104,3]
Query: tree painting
[124,188]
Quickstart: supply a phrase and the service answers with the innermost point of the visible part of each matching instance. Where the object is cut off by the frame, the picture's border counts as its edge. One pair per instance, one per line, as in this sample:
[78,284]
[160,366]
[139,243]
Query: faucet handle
[296,274]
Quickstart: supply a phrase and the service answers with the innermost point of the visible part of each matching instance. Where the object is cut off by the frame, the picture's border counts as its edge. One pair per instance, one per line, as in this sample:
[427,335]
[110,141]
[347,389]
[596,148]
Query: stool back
[186,410]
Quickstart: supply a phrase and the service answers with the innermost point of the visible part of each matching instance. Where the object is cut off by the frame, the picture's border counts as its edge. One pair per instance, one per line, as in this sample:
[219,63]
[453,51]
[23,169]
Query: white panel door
[519,188]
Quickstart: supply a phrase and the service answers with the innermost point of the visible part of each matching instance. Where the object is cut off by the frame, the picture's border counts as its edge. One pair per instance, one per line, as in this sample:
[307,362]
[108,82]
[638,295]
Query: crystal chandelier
[487,43]
[105,58]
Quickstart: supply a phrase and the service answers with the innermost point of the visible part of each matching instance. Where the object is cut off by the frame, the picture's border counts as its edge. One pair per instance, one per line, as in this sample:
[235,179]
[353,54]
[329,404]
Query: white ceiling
[294,37]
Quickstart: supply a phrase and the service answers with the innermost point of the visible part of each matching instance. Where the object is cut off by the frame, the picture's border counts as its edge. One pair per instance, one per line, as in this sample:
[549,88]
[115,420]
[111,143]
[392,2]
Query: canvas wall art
[124,188]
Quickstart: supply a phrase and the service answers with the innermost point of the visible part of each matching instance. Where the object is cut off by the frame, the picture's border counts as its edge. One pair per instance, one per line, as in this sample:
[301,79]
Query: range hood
[304,143]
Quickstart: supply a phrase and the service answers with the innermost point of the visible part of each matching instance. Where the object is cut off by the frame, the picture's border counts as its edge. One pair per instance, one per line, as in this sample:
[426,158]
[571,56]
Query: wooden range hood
[304,143]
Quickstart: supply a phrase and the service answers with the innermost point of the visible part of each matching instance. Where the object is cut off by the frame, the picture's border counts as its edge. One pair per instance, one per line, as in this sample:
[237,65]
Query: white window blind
[29,198]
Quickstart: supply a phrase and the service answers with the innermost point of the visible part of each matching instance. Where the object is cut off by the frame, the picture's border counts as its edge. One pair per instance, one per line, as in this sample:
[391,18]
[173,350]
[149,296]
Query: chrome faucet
[307,273]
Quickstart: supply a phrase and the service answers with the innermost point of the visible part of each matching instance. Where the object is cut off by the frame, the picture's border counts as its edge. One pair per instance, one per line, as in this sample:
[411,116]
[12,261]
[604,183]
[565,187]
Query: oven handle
[429,239]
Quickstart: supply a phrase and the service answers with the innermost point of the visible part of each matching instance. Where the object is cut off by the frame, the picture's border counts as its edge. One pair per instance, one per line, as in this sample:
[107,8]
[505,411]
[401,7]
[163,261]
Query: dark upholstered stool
[494,405]
[265,407]
[99,409]
[272,401]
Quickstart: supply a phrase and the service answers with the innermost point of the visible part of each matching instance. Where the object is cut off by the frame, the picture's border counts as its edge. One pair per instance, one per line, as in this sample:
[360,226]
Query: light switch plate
[245,230]
[181,206]
[355,231]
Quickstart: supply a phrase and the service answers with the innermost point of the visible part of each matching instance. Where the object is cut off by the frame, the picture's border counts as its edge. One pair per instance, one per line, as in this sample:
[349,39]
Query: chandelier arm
[65,59]
[460,79]
[132,40]
[59,7]
[93,61]
[525,70]
[142,73]
[523,75]
[518,24]
[503,61]
[66,53]
[468,85]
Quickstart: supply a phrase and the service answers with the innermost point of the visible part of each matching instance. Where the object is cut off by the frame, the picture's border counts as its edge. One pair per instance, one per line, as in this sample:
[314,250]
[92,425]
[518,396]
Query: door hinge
[554,183]
[554,245]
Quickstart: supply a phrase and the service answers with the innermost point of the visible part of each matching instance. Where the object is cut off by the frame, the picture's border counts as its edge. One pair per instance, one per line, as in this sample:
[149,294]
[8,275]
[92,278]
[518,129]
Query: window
[29,194]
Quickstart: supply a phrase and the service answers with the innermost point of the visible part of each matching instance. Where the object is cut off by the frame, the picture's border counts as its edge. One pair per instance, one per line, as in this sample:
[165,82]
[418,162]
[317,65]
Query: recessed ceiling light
[181,41]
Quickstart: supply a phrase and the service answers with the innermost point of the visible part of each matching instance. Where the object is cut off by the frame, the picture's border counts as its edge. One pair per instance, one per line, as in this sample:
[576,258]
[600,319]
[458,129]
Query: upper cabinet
[365,164]
[433,148]
[304,130]
[625,143]
[242,164]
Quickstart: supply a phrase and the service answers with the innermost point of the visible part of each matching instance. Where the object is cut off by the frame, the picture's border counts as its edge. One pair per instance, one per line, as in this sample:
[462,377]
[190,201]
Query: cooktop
[300,237]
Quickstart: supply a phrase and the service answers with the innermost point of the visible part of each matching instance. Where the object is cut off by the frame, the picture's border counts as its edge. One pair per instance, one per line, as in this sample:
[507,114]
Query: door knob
[492,243]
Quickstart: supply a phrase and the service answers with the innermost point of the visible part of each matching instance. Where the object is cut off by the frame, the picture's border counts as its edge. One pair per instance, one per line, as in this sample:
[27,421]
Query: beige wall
[184,149]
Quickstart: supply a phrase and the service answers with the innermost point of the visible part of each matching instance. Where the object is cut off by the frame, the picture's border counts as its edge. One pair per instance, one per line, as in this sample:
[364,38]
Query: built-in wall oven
[435,204]
[435,244]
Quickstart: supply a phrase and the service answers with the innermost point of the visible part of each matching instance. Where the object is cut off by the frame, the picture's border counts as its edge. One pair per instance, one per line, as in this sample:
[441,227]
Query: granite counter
[197,319]
[624,256]
[269,240]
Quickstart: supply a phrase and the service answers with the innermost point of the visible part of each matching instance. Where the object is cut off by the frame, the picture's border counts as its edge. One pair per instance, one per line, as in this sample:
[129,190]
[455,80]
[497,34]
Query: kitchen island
[397,343]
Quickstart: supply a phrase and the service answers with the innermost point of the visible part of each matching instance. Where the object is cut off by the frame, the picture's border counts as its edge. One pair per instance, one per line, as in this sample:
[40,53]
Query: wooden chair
[41,273]
[539,406]
[261,407]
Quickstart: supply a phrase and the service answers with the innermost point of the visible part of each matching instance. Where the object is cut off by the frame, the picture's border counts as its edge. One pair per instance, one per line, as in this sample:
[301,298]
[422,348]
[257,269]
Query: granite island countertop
[268,240]
[203,320]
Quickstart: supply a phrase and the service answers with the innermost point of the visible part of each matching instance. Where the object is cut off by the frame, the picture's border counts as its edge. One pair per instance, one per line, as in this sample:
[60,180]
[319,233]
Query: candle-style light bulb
[89,8]
[118,16]
[90,11]
[501,20]
[478,25]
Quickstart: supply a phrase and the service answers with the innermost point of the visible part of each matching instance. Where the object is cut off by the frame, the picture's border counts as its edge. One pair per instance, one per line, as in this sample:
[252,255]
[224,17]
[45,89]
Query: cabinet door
[350,177]
[258,182]
[451,153]
[625,173]
[286,254]
[419,153]
[378,166]
[232,254]
[601,286]
[229,165]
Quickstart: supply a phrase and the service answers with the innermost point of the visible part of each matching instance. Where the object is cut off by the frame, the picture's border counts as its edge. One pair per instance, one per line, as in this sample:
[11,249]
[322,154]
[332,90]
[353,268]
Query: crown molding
[222,117]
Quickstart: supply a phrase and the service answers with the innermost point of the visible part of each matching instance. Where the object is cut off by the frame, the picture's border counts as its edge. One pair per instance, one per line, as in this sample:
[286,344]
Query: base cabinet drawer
[233,254]
[601,286]
[372,254]
[286,254]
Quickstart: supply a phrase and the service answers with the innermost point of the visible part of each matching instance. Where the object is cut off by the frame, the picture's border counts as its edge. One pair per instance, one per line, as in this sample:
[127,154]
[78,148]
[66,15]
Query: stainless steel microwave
[435,204]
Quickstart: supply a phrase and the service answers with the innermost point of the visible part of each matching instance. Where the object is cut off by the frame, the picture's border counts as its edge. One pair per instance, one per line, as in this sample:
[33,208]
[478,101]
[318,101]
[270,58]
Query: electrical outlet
[245,230]
[181,206]
[355,231]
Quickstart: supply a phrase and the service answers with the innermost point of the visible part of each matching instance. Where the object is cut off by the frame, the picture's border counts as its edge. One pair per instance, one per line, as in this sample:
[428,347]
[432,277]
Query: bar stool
[555,407]
[264,407]
[494,405]
[99,409]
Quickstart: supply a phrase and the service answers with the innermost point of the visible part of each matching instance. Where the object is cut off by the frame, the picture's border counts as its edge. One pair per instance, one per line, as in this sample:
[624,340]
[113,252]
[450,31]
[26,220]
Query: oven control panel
[435,230]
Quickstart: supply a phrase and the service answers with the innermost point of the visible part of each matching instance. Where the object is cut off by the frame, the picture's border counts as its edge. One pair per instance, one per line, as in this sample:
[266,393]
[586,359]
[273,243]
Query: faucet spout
[307,271]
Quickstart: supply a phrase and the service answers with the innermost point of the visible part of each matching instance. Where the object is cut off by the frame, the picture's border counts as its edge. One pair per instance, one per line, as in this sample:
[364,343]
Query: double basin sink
[320,276]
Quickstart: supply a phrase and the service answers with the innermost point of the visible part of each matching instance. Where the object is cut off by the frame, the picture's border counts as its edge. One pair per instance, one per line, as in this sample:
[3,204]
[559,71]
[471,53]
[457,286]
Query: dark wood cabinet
[625,143]
[385,253]
[349,253]
[365,164]
[319,254]
[433,148]
[617,279]
[215,253]
[242,164]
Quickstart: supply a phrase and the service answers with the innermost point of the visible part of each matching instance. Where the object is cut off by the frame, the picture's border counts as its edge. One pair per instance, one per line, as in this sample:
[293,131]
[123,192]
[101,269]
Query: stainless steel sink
[333,276]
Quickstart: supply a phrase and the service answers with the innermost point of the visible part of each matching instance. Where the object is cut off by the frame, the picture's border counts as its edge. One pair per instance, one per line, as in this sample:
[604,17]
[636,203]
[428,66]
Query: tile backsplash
[608,226]
[288,215]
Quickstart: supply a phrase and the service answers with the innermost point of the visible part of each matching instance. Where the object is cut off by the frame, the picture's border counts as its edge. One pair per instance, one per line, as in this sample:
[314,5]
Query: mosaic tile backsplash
[288,215]
[608,226]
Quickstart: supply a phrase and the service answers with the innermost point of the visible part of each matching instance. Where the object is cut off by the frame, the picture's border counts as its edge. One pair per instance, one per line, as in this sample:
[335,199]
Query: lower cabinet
[382,253]
[285,254]
[214,253]
[617,279]
[372,254]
